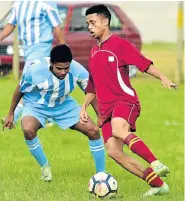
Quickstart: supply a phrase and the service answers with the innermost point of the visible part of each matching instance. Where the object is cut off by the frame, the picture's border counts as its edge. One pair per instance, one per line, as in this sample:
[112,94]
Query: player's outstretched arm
[8,29]
[83,114]
[15,100]
[59,35]
[166,82]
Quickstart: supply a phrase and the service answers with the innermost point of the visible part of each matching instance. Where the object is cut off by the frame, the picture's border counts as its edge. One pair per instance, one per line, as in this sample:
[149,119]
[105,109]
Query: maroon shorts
[128,112]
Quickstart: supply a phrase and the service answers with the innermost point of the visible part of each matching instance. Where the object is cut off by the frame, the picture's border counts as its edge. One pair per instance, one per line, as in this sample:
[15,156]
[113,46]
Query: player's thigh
[32,118]
[107,131]
[89,129]
[120,127]
[124,119]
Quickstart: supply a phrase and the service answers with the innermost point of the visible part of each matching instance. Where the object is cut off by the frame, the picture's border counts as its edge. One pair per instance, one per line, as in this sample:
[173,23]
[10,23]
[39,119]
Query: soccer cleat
[160,169]
[164,189]
[46,173]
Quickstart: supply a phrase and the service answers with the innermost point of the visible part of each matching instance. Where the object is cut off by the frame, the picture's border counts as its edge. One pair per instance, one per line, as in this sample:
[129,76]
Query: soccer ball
[103,185]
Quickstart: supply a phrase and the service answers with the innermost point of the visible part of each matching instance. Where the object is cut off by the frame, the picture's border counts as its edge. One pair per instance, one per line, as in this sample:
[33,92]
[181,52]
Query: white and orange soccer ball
[103,185]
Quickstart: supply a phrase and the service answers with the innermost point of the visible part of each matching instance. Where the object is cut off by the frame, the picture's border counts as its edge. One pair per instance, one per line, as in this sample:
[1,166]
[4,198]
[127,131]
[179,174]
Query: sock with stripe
[17,112]
[137,146]
[151,178]
[98,152]
[37,151]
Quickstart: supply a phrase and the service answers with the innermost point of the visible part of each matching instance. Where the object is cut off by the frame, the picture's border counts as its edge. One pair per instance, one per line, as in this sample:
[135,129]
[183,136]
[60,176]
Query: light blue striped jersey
[35,20]
[41,87]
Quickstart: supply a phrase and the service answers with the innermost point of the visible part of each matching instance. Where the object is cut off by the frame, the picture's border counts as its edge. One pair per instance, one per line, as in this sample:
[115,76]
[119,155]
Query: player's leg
[69,117]
[19,108]
[18,111]
[115,151]
[122,122]
[95,142]
[31,122]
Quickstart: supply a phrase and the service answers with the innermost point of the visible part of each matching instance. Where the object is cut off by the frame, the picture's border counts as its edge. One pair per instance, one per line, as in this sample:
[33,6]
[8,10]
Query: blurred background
[139,22]
[156,29]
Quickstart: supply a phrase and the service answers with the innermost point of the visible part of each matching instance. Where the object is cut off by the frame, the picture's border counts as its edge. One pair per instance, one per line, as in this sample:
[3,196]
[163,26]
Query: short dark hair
[100,9]
[61,53]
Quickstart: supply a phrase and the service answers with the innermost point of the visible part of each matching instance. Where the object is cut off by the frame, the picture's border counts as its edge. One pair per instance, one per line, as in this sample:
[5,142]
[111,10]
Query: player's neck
[105,36]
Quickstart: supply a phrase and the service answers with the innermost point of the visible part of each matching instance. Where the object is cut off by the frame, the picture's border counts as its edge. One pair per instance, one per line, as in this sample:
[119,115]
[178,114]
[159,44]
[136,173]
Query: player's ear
[105,22]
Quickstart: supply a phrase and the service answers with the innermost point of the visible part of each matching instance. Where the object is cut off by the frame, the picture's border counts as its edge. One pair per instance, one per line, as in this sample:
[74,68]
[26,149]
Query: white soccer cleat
[164,189]
[46,173]
[160,169]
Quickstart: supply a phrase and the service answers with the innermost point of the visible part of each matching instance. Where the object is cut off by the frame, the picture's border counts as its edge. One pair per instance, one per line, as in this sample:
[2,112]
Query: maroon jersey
[109,73]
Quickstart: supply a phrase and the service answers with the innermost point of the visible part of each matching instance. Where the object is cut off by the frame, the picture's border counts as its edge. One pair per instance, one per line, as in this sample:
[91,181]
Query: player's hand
[168,83]
[83,116]
[9,122]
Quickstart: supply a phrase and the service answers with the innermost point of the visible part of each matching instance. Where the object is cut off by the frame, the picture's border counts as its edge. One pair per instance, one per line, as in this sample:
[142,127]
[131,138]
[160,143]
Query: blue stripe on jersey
[26,82]
[14,21]
[71,84]
[49,91]
[61,90]
[19,16]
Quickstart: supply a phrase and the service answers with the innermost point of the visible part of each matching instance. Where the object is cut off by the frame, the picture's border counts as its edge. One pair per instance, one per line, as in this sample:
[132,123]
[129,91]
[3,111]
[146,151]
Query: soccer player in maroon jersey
[118,103]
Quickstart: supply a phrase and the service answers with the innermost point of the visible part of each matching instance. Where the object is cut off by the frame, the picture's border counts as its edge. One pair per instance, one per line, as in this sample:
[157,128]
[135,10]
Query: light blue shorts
[65,116]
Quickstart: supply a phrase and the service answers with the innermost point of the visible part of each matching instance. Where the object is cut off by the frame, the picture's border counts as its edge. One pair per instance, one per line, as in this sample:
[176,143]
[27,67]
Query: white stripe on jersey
[17,10]
[44,87]
[67,85]
[56,88]
[28,23]
[37,22]
[66,88]
[23,13]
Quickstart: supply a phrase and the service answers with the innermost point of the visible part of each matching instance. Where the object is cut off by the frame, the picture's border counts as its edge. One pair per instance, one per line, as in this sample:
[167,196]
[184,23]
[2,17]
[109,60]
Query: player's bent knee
[93,133]
[120,133]
[29,133]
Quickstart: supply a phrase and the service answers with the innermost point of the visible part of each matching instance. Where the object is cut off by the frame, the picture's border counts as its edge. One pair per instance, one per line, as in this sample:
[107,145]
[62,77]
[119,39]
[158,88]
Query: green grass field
[161,125]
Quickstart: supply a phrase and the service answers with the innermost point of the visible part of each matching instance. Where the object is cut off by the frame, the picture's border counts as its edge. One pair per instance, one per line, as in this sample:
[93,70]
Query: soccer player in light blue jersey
[37,21]
[45,90]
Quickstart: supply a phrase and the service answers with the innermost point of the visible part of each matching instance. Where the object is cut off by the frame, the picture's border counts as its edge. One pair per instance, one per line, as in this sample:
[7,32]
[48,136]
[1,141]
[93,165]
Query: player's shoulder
[76,69]
[49,5]
[16,4]
[121,42]
[118,40]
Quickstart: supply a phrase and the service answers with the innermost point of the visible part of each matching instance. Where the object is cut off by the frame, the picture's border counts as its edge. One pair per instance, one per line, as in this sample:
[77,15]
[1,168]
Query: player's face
[60,70]
[96,25]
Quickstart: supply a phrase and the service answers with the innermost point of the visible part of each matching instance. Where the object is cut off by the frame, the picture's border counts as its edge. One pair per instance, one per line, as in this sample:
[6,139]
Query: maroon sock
[137,146]
[151,178]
